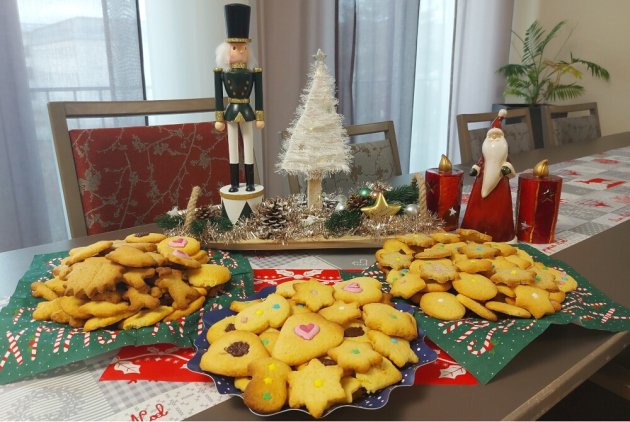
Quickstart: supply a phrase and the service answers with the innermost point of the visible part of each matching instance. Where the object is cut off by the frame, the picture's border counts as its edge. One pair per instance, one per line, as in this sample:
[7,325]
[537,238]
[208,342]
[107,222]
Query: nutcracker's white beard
[495,152]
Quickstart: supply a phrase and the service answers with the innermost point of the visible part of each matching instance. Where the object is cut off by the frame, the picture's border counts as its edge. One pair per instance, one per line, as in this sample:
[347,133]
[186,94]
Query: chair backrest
[114,178]
[566,130]
[372,161]
[518,136]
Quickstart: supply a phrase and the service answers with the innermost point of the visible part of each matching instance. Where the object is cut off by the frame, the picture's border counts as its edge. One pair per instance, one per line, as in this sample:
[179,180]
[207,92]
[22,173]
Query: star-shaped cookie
[535,300]
[355,356]
[313,294]
[317,387]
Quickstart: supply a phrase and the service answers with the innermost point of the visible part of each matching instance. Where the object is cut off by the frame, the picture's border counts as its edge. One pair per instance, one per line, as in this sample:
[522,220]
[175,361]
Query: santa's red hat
[495,127]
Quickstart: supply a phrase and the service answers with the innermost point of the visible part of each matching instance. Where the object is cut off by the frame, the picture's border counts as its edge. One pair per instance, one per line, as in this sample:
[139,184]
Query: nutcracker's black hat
[237,22]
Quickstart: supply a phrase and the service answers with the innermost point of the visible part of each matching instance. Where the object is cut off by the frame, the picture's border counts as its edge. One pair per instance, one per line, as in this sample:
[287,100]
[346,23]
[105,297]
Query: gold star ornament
[380,208]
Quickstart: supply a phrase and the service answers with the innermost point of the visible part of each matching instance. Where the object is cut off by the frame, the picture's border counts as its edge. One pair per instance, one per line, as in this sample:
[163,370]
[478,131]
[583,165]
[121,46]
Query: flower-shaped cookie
[439,272]
[313,294]
[355,356]
[341,312]
[479,251]
[361,289]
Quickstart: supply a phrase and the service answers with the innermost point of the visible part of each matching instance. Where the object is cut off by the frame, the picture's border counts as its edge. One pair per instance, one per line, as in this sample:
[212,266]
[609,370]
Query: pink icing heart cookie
[361,289]
[178,243]
[307,332]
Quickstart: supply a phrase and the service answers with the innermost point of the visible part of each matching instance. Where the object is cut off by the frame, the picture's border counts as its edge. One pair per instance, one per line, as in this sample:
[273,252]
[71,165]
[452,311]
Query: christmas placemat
[30,346]
[484,347]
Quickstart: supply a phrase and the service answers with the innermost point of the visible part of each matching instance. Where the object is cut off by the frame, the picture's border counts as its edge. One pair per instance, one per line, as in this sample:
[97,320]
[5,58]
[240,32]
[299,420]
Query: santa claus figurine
[489,207]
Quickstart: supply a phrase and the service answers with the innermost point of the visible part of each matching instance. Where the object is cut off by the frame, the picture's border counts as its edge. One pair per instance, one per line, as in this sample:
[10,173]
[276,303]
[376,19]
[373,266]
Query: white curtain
[375,61]
[66,50]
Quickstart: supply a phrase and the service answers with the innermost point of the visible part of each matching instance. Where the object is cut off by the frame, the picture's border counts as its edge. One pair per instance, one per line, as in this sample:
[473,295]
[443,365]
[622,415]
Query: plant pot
[536,115]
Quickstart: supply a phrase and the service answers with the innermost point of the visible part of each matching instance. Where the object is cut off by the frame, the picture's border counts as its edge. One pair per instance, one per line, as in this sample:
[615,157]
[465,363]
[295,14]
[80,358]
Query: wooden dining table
[542,374]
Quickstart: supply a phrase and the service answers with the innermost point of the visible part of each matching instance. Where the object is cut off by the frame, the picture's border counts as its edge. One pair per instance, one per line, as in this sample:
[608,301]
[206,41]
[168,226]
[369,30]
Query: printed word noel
[160,412]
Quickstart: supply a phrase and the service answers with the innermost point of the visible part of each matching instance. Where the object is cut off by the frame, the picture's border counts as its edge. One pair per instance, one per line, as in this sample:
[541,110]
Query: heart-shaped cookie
[178,243]
[306,336]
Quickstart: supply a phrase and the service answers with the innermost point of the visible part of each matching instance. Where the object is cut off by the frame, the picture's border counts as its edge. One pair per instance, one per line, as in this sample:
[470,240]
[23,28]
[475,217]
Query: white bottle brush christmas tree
[318,143]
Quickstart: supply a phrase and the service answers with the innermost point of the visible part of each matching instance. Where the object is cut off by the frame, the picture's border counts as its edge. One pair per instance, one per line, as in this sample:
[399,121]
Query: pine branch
[198,226]
[167,221]
[221,224]
[343,221]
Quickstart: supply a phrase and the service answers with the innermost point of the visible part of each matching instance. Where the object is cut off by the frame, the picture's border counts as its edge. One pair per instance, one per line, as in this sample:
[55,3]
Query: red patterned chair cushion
[130,175]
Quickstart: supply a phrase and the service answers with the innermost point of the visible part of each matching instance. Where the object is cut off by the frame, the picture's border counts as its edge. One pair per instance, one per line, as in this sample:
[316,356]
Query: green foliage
[167,221]
[405,194]
[536,79]
[221,224]
[343,221]
[198,226]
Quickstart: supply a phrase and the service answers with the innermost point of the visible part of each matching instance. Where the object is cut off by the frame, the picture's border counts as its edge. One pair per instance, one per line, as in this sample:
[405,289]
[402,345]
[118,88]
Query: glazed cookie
[208,275]
[473,236]
[269,339]
[270,313]
[317,387]
[445,238]
[443,306]
[390,321]
[435,253]
[395,349]
[514,276]
[434,286]
[361,289]
[220,328]
[379,377]
[286,289]
[477,308]
[341,312]
[407,286]
[314,295]
[479,251]
[473,266]
[439,272]
[475,286]
[145,237]
[545,280]
[188,245]
[355,356]
[508,309]
[267,390]
[356,330]
[237,306]
[421,240]
[306,336]
[535,300]
[394,260]
[193,306]
[506,250]
[231,353]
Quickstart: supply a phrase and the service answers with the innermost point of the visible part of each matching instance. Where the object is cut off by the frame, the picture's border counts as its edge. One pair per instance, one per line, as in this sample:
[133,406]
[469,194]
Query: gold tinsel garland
[308,223]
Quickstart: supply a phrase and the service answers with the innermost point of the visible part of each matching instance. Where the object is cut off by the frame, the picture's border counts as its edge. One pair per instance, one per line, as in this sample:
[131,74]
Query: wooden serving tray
[349,242]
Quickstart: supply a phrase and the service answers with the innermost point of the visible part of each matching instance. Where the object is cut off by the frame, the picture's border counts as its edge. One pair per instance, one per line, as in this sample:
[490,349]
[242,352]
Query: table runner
[30,346]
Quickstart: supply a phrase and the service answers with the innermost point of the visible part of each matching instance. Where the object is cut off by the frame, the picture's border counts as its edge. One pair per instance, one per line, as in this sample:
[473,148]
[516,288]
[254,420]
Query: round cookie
[231,353]
[208,275]
[145,237]
[434,286]
[475,286]
[221,327]
[444,306]
[185,244]
[508,309]
[477,308]
[363,290]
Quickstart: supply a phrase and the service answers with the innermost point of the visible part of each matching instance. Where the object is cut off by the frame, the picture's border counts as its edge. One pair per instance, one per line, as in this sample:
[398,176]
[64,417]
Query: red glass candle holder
[537,207]
[444,195]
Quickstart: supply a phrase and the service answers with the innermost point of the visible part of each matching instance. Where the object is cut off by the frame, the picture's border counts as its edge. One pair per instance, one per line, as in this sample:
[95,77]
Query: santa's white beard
[495,152]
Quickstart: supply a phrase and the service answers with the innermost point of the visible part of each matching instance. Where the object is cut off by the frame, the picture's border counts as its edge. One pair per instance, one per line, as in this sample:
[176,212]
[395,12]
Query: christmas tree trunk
[315,192]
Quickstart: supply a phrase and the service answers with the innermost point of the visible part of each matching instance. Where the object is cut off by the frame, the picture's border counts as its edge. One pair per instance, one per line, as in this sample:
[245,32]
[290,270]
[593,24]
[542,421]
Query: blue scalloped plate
[225,385]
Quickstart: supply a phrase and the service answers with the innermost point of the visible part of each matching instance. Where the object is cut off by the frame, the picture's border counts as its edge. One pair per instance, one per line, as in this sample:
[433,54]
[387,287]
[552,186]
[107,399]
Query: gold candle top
[445,165]
[542,169]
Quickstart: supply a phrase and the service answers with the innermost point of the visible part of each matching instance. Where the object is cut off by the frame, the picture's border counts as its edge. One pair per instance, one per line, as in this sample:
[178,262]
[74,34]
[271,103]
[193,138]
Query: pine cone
[205,212]
[274,214]
[356,201]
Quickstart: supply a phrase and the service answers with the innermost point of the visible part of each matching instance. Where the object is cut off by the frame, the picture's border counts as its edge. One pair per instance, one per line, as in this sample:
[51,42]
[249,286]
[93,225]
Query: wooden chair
[114,178]
[566,130]
[365,167]
[518,136]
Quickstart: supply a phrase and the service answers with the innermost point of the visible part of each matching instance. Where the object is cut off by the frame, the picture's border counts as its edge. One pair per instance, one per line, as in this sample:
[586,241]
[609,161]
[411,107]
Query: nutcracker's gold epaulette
[257,69]
[218,69]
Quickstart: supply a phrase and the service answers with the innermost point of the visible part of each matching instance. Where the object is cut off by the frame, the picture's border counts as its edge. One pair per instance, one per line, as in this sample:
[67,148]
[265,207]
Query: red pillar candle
[537,205]
[444,192]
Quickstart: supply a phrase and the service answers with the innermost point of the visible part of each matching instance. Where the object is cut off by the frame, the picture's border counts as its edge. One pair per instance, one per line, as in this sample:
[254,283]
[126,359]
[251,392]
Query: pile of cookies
[134,283]
[312,345]
[447,273]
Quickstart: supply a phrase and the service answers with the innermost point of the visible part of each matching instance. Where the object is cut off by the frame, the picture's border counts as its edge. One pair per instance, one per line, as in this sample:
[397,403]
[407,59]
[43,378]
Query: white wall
[601,34]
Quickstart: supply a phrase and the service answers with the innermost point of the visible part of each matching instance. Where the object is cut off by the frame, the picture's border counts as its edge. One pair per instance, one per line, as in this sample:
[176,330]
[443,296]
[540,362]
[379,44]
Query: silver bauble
[411,209]
[341,207]
[342,199]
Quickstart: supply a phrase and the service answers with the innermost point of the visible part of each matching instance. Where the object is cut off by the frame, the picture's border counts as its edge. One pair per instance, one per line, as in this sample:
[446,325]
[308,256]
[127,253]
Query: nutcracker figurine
[237,72]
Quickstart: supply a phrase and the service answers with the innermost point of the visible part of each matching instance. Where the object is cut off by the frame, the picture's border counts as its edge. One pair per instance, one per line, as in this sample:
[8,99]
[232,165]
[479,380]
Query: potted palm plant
[538,80]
